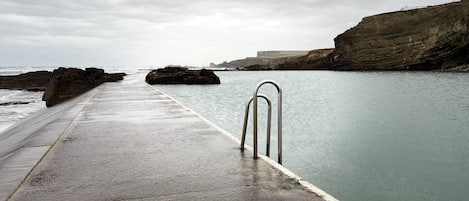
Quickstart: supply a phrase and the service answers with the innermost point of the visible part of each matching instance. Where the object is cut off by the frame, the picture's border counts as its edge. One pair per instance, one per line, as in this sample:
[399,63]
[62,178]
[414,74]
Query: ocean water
[357,135]
[17,104]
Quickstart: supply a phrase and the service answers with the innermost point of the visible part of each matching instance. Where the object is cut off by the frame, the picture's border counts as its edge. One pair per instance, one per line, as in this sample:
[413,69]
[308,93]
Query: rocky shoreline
[61,84]
[65,83]
[30,81]
[434,38]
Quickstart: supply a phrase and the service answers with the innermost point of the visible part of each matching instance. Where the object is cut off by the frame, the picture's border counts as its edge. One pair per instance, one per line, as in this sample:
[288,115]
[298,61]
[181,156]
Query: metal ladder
[254,98]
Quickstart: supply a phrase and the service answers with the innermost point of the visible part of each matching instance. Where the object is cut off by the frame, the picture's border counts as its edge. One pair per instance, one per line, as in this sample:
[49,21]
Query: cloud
[160,32]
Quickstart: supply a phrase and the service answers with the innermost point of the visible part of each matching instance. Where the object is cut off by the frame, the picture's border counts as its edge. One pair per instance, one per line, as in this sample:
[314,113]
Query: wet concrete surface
[132,142]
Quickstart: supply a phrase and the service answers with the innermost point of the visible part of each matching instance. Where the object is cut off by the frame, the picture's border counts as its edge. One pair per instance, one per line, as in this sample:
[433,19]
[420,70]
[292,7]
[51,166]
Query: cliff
[431,38]
[314,60]
[265,60]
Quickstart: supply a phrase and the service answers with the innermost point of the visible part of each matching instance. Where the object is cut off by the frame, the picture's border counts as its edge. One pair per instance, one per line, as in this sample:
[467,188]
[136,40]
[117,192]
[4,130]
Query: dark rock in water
[60,85]
[180,75]
[113,77]
[258,67]
[14,103]
[67,83]
[32,81]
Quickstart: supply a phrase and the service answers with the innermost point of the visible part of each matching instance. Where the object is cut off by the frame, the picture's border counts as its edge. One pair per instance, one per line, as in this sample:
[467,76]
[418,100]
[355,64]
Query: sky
[144,33]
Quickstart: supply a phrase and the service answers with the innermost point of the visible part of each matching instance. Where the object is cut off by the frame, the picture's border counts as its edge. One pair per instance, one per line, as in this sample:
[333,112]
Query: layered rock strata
[181,75]
[432,38]
[314,60]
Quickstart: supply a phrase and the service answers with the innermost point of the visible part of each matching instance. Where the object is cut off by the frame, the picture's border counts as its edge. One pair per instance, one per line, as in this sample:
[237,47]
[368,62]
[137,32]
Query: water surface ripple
[357,135]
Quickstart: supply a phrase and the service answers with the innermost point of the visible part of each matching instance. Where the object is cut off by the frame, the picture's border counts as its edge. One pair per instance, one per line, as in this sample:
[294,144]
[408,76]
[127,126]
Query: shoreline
[11,113]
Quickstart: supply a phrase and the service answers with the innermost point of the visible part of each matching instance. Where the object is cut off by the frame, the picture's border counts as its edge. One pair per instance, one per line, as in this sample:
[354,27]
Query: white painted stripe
[316,190]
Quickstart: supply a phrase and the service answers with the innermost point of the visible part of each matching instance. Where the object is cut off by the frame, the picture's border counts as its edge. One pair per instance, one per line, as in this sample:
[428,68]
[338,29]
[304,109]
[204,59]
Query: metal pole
[269,122]
[255,124]
[246,117]
[279,124]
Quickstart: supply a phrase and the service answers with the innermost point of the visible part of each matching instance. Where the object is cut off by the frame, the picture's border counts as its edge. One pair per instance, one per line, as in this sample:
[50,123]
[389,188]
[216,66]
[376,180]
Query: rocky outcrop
[265,60]
[180,75]
[240,64]
[32,81]
[258,67]
[432,38]
[67,83]
[314,60]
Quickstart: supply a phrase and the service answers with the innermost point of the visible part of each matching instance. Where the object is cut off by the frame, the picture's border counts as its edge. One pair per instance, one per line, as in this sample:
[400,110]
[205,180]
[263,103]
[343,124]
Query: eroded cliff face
[314,60]
[265,60]
[429,38]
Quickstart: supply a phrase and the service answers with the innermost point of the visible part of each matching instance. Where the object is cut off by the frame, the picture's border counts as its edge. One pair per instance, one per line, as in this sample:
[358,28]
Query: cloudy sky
[162,32]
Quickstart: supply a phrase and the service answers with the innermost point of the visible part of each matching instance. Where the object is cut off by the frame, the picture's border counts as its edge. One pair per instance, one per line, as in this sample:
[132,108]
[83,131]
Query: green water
[358,135]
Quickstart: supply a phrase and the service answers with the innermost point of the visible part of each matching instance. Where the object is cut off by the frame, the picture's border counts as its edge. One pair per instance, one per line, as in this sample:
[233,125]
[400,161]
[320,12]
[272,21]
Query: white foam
[12,113]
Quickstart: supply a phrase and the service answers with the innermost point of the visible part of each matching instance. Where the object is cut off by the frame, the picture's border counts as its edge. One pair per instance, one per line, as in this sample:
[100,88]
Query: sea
[357,135]
[18,104]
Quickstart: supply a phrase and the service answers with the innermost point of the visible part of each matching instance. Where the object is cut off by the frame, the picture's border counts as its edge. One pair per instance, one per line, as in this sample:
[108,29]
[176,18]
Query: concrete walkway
[128,141]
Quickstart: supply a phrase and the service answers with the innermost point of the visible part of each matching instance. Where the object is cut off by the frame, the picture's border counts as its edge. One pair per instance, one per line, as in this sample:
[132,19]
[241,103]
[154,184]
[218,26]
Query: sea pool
[357,135]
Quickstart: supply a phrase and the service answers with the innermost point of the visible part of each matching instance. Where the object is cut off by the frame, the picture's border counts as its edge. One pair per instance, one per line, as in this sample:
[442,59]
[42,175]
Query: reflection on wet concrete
[129,141]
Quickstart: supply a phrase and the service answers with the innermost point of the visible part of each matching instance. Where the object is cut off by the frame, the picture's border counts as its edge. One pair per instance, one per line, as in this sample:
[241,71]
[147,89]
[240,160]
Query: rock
[258,67]
[113,77]
[265,60]
[431,38]
[67,83]
[14,103]
[31,81]
[180,75]
[61,84]
[314,60]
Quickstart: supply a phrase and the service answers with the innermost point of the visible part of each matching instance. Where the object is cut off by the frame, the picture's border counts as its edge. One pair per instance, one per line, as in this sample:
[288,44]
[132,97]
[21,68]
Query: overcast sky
[161,32]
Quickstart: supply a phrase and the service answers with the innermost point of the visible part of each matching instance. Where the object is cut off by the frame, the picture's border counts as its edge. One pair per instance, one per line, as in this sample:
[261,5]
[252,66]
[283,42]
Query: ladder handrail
[246,117]
[279,117]
[254,98]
